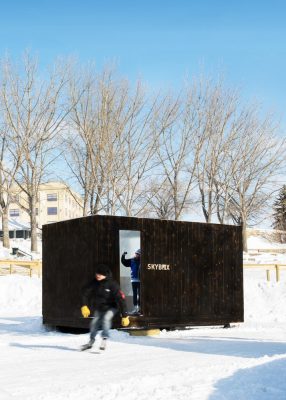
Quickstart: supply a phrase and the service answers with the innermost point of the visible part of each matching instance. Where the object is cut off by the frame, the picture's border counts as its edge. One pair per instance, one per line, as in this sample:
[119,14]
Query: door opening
[130,259]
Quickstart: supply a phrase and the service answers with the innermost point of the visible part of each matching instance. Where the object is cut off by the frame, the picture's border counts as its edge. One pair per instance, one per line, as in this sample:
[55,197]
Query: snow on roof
[17,225]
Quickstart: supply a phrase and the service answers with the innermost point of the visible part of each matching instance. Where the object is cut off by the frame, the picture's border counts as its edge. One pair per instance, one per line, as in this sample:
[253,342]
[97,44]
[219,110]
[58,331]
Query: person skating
[104,295]
[134,265]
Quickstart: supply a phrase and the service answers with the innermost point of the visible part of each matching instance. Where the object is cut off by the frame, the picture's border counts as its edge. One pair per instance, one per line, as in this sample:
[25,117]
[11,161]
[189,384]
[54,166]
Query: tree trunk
[244,236]
[33,222]
[5,228]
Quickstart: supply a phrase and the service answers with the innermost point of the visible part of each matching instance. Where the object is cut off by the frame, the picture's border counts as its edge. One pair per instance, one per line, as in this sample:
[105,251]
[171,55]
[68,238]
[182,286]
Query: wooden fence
[21,267]
[277,267]
[31,267]
[271,251]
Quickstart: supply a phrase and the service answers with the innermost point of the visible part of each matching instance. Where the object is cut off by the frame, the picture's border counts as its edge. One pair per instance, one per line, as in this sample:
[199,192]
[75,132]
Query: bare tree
[96,103]
[8,169]
[215,113]
[136,151]
[78,163]
[111,146]
[34,111]
[179,148]
[257,155]
[159,200]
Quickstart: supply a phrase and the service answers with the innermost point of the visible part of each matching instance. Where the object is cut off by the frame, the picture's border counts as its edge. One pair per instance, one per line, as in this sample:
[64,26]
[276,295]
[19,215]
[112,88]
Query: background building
[17,229]
[56,202]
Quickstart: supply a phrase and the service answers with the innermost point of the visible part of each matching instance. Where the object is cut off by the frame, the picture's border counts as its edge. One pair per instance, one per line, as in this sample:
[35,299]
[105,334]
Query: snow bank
[20,295]
[264,302]
[4,253]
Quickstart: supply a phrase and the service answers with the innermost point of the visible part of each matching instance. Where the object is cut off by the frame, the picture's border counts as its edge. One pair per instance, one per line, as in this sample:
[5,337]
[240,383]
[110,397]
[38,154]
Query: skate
[103,344]
[135,311]
[87,345]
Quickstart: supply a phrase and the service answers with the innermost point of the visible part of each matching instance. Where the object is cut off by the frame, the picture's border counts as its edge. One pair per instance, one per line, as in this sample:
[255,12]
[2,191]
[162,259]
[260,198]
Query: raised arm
[125,261]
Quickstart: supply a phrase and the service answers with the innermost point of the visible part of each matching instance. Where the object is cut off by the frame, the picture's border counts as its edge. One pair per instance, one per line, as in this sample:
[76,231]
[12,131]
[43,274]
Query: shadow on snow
[263,382]
[233,347]
[42,346]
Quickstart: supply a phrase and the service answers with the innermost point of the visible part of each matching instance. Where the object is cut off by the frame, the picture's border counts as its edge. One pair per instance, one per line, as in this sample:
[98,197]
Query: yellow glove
[125,321]
[85,311]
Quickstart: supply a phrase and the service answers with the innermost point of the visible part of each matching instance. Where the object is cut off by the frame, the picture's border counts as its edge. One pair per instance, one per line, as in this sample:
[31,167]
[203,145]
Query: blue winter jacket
[134,264]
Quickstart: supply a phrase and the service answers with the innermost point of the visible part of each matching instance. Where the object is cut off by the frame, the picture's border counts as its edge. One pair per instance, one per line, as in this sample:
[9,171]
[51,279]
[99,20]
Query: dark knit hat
[102,269]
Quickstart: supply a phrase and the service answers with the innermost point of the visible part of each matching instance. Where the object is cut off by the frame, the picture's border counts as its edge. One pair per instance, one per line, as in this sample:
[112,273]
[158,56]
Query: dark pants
[136,293]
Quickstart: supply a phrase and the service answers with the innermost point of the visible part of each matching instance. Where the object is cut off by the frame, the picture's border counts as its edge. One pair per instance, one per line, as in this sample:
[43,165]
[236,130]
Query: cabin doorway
[129,243]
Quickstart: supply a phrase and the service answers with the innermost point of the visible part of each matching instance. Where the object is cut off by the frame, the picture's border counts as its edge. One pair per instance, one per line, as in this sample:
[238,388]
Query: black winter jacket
[103,295]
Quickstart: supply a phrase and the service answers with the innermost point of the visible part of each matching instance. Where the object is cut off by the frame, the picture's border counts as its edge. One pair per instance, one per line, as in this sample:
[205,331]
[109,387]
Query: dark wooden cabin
[191,273]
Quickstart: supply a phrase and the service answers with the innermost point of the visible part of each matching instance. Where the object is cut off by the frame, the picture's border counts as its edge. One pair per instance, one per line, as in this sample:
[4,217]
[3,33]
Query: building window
[52,210]
[52,197]
[14,212]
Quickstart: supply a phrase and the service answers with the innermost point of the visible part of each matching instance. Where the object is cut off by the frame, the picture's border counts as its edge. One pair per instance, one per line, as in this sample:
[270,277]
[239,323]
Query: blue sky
[160,41]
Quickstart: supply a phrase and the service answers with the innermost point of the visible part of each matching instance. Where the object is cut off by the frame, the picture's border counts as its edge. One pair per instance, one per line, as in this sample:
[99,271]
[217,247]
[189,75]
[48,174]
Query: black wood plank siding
[191,273]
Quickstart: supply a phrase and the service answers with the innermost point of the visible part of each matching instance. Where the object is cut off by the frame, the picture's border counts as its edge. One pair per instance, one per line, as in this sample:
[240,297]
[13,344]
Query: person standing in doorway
[102,294]
[134,265]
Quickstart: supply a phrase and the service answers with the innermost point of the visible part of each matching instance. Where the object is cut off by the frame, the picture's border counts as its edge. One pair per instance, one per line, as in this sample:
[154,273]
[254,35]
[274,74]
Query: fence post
[277,273]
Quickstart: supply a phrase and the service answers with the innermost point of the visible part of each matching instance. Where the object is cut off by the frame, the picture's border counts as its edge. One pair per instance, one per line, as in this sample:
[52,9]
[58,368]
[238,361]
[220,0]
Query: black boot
[87,345]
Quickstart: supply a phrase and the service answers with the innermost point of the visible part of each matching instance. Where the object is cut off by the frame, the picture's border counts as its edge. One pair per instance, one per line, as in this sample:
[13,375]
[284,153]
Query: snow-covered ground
[247,361]
[23,245]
